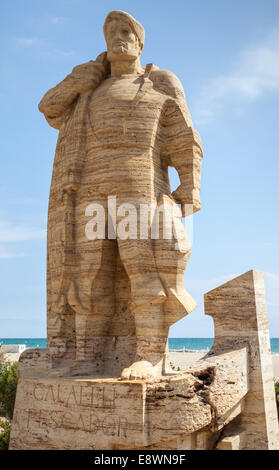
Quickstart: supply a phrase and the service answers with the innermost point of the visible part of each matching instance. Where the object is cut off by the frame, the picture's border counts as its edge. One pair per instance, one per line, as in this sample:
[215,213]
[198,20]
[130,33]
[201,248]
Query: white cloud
[272,289]
[8,253]
[27,42]
[198,288]
[17,233]
[58,19]
[205,285]
[41,46]
[12,233]
[255,72]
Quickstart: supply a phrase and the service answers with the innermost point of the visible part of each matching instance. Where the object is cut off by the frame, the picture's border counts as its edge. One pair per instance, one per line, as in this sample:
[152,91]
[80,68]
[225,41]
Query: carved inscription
[81,395]
[110,425]
[85,407]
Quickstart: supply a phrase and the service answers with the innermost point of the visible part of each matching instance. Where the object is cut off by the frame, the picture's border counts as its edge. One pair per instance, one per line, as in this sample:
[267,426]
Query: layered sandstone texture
[115,277]
[224,401]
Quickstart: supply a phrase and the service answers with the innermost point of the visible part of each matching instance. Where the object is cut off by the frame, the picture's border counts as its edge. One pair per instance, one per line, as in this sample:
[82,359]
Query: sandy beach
[11,357]
[178,359]
[184,359]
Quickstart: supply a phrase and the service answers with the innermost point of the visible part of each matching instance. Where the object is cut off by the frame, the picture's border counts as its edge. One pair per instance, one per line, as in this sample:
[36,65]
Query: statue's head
[124,36]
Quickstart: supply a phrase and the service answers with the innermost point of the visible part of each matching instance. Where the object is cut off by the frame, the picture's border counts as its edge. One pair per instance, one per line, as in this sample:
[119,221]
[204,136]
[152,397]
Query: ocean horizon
[175,344]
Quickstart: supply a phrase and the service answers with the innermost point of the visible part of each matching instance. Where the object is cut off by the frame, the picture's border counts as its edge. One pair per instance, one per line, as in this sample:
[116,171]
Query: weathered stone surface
[104,381]
[240,319]
[233,439]
[208,407]
[111,300]
[55,413]
[226,376]
[130,414]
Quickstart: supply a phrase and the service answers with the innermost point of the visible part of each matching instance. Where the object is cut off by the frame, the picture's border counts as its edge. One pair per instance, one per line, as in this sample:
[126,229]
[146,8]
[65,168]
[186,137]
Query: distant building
[13,348]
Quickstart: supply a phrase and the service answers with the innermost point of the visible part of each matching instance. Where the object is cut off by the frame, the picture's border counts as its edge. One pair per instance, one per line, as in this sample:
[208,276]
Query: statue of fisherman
[120,127]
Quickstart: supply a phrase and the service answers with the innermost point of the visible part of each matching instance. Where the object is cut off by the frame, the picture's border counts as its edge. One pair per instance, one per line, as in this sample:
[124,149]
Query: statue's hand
[189,200]
[102,59]
[88,76]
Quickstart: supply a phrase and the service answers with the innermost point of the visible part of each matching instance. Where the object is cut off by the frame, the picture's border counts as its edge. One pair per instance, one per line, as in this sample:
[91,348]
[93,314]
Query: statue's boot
[91,337]
[178,304]
[152,344]
[57,339]
[80,303]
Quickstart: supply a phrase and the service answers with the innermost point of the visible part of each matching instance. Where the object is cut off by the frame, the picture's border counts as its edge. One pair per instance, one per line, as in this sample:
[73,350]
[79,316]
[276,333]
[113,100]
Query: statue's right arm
[58,101]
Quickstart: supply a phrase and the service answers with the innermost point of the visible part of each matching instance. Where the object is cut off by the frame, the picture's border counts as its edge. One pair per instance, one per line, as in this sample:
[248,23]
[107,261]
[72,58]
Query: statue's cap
[136,26]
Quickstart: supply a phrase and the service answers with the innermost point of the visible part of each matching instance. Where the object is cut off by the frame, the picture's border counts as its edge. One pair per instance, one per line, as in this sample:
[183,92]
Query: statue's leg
[89,291]
[96,285]
[60,317]
[147,307]
[171,261]
[152,344]
[139,262]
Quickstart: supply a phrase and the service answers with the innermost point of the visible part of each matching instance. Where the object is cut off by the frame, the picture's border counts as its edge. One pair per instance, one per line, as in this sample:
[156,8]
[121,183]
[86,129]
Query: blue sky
[226,55]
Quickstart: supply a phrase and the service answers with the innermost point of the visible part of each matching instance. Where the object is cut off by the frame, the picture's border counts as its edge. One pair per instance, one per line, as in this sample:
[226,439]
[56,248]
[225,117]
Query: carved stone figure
[111,301]
[112,294]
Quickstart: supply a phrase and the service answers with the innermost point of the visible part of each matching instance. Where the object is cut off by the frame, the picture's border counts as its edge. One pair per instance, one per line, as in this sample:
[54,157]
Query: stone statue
[115,281]
[121,126]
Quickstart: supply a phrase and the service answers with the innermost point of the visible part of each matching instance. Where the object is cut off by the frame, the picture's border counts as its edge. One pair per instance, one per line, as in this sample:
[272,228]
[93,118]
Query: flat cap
[135,25]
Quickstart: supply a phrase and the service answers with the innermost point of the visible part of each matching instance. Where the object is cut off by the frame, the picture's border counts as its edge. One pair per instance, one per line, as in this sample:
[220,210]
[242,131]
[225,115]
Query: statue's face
[121,40]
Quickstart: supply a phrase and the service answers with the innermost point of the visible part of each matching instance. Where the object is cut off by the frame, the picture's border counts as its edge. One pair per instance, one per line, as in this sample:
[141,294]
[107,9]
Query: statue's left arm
[181,147]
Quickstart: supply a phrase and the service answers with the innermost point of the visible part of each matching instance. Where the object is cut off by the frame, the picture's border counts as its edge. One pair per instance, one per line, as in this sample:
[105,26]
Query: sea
[175,344]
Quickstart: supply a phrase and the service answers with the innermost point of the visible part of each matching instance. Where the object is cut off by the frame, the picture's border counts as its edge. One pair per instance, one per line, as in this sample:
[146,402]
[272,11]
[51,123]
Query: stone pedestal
[61,413]
[238,308]
[225,400]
